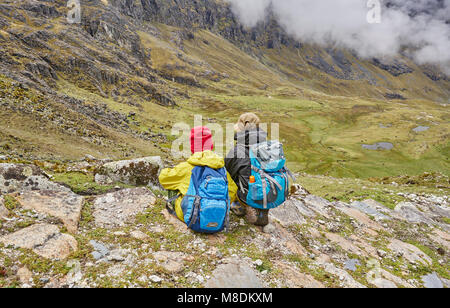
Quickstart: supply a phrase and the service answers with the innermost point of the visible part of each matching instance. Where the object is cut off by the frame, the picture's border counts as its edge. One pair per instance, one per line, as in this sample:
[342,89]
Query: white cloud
[419,25]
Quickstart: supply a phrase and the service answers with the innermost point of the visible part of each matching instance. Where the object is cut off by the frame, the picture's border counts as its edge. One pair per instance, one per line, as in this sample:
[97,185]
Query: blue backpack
[271,186]
[206,206]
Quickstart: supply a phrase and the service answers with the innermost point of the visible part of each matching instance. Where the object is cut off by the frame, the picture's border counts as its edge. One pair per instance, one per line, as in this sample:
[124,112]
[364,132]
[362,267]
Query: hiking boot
[238,209]
[262,218]
[257,217]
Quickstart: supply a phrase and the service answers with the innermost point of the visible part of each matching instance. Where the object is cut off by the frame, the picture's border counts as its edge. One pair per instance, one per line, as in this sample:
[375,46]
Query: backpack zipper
[209,178]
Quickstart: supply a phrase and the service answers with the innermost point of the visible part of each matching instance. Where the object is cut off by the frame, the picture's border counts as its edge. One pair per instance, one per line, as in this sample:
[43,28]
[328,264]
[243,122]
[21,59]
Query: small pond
[421,129]
[378,146]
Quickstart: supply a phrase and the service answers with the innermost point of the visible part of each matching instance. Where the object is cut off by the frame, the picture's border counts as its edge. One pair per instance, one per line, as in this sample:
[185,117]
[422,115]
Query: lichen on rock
[139,172]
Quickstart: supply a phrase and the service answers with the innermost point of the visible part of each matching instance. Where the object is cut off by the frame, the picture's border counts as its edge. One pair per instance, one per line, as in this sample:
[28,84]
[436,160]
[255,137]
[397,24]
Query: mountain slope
[115,84]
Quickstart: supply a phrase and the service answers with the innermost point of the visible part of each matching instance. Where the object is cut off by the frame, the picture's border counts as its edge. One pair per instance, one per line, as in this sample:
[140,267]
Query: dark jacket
[237,161]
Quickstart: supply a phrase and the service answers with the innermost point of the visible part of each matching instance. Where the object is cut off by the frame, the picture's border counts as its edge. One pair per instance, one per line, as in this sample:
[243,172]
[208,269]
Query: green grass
[10,202]
[326,136]
[84,184]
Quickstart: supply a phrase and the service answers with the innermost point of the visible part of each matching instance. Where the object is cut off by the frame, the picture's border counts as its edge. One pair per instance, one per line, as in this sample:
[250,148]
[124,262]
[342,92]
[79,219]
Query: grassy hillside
[112,102]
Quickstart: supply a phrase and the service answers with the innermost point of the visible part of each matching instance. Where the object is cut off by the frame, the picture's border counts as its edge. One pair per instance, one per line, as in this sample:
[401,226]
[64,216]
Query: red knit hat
[201,139]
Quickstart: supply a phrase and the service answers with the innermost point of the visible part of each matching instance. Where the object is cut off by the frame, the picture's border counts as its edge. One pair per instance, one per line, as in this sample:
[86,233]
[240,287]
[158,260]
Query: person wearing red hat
[201,139]
[177,179]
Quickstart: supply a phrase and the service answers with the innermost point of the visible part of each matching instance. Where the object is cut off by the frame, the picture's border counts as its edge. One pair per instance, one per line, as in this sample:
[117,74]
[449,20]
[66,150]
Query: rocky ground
[61,228]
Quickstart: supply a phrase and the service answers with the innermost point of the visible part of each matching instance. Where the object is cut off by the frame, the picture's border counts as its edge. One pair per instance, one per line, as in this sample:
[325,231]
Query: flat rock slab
[371,208]
[318,205]
[65,206]
[346,279]
[362,218]
[293,278]
[234,274]
[440,210]
[44,239]
[409,252]
[288,214]
[352,265]
[432,281]
[115,209]
[19,177]
[397,280]
[409,212]
[142,171]
[384,284]
[345,244]
[441,237]
[283,239]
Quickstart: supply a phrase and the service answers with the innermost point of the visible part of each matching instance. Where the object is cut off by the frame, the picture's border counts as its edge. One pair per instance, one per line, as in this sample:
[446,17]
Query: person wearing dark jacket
[238,165]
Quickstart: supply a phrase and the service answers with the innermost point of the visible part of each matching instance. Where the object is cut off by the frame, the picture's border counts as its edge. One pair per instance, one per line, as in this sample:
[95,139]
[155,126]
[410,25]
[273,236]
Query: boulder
[283,240]
[440,210]
[20,177]
[115,209]
[44,239]
[139,172]
[173,262]
[65,206]
[234,274]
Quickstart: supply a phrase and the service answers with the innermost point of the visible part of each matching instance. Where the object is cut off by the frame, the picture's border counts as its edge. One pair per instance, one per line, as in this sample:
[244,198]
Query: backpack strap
[242,186]
[264,174]
[227,217]
[195,211]
[271,180]
[170,207]
[290,174]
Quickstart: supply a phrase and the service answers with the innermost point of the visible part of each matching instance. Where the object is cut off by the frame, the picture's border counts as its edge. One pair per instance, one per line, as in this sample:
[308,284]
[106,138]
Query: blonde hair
[247,121]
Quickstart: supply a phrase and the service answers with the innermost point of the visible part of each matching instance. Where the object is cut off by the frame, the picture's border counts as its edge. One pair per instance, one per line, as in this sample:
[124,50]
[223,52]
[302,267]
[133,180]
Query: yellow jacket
[178,178]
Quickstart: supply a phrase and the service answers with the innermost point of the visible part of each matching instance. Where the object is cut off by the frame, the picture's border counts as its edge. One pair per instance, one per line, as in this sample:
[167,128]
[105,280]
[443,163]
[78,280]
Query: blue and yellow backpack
[206,206]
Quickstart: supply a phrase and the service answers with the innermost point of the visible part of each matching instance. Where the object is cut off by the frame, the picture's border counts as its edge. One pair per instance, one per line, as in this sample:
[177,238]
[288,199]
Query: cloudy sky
[419,28]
